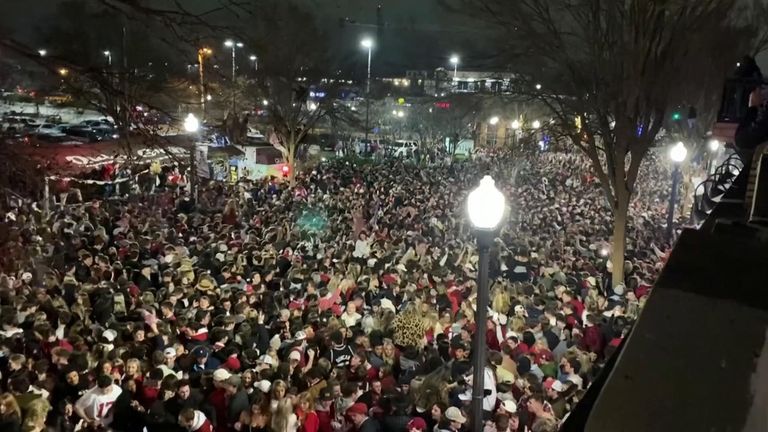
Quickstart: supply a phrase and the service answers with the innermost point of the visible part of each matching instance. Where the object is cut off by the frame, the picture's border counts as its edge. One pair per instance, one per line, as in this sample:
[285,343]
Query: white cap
[221,375]
[294,355]
[509,406]
[169,352]
[263,385]
[109,335]
[266,359]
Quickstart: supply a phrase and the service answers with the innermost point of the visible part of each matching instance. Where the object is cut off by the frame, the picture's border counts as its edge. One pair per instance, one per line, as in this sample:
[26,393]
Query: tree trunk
[291,161]
[619,236]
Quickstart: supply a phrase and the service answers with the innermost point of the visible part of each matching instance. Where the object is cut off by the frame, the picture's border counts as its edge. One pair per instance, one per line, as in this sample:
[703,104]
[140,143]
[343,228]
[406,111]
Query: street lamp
[493,120]
[485,206]
[42,52]
[455,63]
[677,155]
[536,124]
[234,45]
[400,114]
[714,145]
[254,59]
[538,86]
[63,72]
[201,53]
[367,43]
[191,123]
[515,124]
[108,54]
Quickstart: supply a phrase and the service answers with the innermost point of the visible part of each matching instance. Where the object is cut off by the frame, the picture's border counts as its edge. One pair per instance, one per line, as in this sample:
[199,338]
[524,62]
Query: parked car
[102,123]
[48,129]
[83,133]
[402,148]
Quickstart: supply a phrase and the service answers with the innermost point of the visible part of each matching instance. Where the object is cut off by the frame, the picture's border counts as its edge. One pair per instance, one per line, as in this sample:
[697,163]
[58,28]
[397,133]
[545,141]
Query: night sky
[417,34]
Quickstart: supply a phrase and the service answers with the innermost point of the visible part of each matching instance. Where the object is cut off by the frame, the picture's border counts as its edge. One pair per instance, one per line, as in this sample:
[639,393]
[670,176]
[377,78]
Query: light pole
[192,127]
[714,148]
[455,63]
[485,206]
[201,53]
[108,55]
[367,43]
[255,60]
[677,155]
[234,45]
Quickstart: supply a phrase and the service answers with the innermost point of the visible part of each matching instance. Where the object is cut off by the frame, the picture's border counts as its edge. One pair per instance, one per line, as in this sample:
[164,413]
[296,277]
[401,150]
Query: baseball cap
[454,414]
[200,352]
[221,375]
[294,355]
[358,408]
[300,335]
[266,359]
[417,423]
[326,394]
[263,386]
[509,406]
[169,352]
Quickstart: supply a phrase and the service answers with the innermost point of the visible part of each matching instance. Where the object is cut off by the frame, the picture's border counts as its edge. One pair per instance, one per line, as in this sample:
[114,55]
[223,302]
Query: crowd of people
[343,303]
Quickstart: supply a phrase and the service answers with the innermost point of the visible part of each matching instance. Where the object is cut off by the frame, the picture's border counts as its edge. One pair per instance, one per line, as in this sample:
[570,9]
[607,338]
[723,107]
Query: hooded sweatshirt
[200,423]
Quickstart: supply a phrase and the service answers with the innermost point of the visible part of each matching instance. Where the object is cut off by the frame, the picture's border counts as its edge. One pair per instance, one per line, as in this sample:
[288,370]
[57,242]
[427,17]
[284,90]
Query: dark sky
[417,34]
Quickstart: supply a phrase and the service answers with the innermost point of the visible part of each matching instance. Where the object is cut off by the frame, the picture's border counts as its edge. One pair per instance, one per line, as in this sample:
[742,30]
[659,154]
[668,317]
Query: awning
[78,159]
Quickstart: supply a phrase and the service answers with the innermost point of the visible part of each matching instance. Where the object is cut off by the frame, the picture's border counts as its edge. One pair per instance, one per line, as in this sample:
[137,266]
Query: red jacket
[324,421]
[592,340]
[311,422]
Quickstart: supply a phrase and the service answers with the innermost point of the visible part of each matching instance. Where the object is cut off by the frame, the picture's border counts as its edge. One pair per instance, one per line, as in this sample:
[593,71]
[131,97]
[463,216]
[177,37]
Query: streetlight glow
[486,205]
[209,97]
[265,102]
[191,123]
[515,124]
[536,124]
[64,72]
[538,86]
[107,53]
[367,43]
[42,52]
[252,58]
[400,114]
[454,59]
[678,152]
[228,43]
[714,145]
[494,120]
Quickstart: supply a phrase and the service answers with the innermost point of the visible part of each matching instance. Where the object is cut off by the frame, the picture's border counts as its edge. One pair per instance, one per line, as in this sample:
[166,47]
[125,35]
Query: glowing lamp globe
[678,152]
[191,123]
[714,145]
[486,205]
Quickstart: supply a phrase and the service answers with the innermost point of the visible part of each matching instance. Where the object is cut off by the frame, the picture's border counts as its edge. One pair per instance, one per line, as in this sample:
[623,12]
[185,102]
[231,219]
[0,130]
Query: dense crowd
[342,303]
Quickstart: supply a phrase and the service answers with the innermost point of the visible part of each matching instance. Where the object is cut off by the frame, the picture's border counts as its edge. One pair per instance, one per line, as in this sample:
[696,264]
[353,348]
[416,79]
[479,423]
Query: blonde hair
[282,415]
[11,406]
[275,385]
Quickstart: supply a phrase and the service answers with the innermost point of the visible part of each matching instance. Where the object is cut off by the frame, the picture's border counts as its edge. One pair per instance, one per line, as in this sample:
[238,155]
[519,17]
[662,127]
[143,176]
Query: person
[417,424]
[284,419]
[194,421]
[306,415]
[358,413]
[10,414]
[95,406]
[455,419]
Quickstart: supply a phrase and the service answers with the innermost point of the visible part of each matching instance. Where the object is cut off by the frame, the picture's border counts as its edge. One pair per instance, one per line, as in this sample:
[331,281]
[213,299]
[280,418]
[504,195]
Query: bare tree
[617,66]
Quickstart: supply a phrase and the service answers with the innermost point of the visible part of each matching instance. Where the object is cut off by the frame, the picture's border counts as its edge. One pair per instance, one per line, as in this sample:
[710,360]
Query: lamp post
[108,54]
[714,148]
[201,53]
[485,206]
[254,60]
[455,62]
[367,43]
[677,155]
[234,45]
